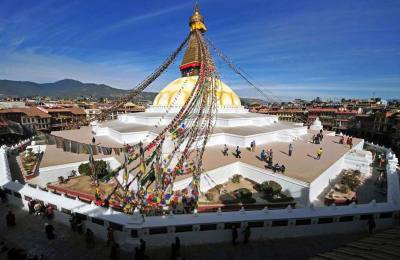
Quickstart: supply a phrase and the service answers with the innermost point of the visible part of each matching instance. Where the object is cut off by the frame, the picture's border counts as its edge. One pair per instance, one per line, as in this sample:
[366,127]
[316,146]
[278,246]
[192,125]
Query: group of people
[236,153]
[349,141]
[317,139]
[39,209]
[267,156]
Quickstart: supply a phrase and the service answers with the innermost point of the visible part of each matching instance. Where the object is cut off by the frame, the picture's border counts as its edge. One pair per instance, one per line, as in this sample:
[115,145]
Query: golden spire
[196,21]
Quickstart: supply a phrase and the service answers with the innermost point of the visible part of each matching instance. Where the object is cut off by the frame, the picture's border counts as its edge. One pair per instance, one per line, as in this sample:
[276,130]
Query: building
[284,114]
[12,104]
[30,117]
[65,117]
[10,132]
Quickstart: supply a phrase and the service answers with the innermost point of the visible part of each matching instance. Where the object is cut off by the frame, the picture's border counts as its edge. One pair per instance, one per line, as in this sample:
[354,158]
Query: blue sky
[291,48]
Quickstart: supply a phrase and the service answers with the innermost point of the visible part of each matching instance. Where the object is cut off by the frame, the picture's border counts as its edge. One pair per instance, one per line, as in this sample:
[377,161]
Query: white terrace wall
[214,227]
[51,173]
[287,135]
[292,187]
[5,173]
[322,181]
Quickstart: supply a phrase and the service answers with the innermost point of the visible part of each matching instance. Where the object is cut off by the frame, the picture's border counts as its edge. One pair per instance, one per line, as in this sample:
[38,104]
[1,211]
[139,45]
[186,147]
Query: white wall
[322,181]
[286,135]
[51,173]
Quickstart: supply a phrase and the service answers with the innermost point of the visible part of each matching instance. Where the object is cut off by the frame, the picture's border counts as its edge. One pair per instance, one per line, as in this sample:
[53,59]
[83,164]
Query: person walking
[177,247]
[10,219]
[110,236]
[371,225]
[319,153]
[143,247]
[290,149]
[225,151]
[246,233]
[234,235]
[114,252]
[253,146]
[89,238]
[49,230]
[173,251]
[238,152]
[3,196]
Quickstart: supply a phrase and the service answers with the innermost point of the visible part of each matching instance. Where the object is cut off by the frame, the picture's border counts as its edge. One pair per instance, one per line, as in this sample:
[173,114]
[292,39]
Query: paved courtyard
[29,235]
[301,165]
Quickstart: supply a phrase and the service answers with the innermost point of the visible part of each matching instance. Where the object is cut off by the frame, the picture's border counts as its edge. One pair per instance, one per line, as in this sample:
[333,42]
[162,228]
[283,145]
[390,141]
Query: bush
[236,178]
[271,188]
[228,199]
[100,168]
[209,196]
[243,194]
[352,180]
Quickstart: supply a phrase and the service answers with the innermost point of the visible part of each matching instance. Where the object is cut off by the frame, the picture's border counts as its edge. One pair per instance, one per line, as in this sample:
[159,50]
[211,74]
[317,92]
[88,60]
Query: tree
[271,188]
[100,168]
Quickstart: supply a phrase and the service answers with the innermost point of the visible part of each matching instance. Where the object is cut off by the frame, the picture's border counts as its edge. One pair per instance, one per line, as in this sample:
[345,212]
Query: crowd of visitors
[38,208]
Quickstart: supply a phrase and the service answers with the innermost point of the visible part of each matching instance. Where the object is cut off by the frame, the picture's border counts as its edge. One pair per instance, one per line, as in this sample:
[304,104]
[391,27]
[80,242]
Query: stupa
[235,125]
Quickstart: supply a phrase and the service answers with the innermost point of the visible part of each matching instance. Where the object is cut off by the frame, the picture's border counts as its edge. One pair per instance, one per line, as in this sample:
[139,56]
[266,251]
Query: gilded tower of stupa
[176,93]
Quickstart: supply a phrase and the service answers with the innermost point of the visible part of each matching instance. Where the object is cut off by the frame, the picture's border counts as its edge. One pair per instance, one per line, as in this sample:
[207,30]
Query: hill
[68,88]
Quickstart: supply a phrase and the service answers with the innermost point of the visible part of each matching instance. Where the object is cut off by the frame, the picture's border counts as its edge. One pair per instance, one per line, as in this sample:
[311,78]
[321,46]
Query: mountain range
[64,88]
[70,88]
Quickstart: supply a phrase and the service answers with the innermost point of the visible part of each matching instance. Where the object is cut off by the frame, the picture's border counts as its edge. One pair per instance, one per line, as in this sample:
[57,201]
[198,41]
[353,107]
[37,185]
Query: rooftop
[29,111]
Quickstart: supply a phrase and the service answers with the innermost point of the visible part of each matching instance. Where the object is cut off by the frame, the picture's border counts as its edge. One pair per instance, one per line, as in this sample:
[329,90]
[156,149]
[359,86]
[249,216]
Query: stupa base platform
[231,129]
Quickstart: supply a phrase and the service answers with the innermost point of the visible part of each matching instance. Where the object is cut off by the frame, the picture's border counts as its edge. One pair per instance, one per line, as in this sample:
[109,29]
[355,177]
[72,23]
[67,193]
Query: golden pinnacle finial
[197,21]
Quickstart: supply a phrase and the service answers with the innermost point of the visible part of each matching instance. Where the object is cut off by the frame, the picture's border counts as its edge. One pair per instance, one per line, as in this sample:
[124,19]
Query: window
[279,223]
[325,220]
[386,215]
[346,218]
[116,226]
[158,230]
[187,228]
[81,216]
[98,221]
[134,233]
[231,224]
[256,224]
[366,216]
[302,222]
[204,227]
[66,211]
